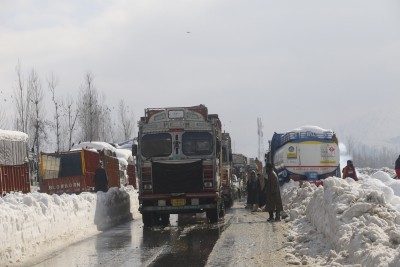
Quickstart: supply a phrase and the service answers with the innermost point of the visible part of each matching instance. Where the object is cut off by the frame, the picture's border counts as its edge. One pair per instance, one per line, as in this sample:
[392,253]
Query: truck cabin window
[156,145]
[197,143]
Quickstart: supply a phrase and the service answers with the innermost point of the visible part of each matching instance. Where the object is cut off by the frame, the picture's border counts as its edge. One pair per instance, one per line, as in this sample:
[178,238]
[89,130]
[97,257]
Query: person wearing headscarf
[350,171]
[261,197]
[397,167]
[272,194]
[100,179]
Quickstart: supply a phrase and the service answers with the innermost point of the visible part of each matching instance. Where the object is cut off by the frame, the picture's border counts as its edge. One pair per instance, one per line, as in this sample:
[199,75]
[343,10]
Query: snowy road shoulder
[37,223]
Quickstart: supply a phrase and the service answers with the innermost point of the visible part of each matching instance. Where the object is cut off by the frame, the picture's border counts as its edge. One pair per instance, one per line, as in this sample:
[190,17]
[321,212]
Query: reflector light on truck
[208,184]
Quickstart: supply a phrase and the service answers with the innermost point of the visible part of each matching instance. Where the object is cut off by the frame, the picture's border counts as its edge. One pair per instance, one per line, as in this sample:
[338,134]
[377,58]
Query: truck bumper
[204,201]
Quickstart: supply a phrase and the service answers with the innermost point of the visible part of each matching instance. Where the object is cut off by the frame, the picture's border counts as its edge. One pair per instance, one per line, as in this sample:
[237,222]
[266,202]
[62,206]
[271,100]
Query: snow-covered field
[342,223]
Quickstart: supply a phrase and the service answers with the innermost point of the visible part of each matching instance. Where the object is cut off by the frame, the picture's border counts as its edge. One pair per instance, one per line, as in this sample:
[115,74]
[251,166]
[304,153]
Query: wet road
[187,241]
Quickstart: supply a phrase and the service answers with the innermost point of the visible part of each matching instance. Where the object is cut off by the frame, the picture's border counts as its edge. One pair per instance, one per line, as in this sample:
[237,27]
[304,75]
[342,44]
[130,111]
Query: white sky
[291,63]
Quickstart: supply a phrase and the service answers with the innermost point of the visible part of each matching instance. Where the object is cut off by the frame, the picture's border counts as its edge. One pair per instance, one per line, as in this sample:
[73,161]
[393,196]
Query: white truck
[307,153]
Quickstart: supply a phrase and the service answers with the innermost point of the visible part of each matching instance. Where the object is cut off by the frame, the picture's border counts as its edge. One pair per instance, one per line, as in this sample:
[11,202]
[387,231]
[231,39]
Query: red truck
[14,164]
[73,171]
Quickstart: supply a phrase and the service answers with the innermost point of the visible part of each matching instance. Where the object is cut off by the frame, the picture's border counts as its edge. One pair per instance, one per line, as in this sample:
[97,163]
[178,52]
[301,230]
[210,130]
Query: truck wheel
[147,219]
[222,210]
[164,219]
[213,215]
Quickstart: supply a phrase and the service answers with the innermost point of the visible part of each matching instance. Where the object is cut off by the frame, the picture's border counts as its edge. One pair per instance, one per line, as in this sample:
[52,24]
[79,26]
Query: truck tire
[213,214]
[148,219]
[222,210]
[164,219]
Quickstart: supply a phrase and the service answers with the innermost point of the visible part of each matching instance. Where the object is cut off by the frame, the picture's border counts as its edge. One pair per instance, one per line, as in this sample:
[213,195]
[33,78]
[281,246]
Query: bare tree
[52,84]
[125,120]
[89,111]
[22,96]
[37,118]
[72,115]
[3,119]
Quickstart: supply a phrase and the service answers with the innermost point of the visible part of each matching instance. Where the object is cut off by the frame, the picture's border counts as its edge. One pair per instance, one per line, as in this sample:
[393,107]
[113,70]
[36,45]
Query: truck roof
[150,112]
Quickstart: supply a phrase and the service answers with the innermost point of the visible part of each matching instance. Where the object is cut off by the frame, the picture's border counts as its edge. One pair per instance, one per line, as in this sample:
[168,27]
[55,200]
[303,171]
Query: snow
[343,223]
[310,128]
[348,222]
[36,223]
[13,136]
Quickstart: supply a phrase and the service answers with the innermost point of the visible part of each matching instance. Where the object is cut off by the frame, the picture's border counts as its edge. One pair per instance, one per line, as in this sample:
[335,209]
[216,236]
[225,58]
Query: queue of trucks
[183,160]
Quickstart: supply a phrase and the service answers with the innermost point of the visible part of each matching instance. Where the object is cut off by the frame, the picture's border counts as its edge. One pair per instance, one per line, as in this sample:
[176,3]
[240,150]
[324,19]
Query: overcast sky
[291,63]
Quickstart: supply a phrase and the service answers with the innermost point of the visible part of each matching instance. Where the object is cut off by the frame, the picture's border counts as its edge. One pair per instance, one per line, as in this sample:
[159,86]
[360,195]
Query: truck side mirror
[230,156]
[134,150]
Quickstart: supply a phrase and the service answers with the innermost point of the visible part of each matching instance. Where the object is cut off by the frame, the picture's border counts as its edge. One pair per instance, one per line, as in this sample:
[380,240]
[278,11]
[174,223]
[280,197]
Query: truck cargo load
[14,163]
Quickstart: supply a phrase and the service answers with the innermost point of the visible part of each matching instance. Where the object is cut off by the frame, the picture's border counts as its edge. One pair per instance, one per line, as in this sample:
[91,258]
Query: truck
[14,162]
[178,157]
[227,187]
[307,153]
[73,171]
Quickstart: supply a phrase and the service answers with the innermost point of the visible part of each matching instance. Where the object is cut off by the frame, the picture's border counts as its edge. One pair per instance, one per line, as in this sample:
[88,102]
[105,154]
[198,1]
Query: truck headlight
[208,184]
[147,186]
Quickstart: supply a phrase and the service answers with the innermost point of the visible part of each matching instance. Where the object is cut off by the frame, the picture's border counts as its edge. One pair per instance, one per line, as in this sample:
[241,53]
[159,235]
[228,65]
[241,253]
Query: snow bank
[359,221]
[36,222]
[13,135]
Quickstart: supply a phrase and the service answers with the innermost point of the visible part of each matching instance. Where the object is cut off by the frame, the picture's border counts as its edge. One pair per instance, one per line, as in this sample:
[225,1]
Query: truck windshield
[156,145]
[197,143]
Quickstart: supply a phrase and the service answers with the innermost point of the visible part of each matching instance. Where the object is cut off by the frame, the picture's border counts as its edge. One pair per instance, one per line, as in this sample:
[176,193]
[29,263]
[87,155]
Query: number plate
[178,202]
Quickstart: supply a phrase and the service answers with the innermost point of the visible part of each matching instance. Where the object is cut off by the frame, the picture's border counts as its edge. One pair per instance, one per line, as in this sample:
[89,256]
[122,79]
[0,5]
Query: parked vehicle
[308,153]
[179,163]
[73,171]
[14,162]
[227,171]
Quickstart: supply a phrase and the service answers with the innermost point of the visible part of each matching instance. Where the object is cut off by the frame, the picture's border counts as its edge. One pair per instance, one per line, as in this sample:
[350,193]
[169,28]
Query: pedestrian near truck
[272,194]
[397,167]
[100,179]
[350,171]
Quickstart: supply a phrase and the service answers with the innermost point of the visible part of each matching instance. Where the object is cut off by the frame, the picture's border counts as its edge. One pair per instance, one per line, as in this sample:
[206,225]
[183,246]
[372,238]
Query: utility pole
[260,140]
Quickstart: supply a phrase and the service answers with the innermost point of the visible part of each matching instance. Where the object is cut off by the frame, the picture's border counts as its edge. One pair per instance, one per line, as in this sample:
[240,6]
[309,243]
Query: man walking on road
[272,194]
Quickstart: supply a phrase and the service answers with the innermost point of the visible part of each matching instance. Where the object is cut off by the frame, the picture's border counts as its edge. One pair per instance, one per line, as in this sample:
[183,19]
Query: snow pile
[13,136]
[37,223]
[348,222]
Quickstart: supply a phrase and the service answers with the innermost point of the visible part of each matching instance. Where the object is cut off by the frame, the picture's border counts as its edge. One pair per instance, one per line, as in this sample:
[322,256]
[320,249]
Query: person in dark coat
[397,167]
[100,179]
[272,194]
[253,188]
[261,193]
[350,171]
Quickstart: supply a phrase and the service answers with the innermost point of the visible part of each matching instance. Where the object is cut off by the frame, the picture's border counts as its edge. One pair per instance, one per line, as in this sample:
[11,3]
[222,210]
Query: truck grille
[177,178]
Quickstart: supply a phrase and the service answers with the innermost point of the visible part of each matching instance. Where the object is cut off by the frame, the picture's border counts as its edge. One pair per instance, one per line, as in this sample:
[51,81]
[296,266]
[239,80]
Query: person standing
[261,197]
[100,179]
[272,194]
[397,167]
[253,188]
[350,171]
